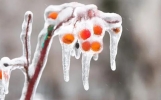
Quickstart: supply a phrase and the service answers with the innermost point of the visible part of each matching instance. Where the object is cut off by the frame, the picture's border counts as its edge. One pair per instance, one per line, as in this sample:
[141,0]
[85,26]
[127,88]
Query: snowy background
[138,73]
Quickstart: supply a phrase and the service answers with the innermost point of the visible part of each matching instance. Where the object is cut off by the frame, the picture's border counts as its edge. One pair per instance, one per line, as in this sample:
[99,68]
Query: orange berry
[68,38]
[53,15]
[86,46]
[96,46]
[0,74]
[97,30]
[85,34]
[116,30]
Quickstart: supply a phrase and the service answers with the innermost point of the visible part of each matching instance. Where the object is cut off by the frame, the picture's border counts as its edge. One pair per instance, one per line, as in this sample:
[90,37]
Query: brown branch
[26,39]
[40,62]
[38,66]
[26,47]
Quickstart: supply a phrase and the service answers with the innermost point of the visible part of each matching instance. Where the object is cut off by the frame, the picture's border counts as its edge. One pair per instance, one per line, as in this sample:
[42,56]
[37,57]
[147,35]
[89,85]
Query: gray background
[138,73]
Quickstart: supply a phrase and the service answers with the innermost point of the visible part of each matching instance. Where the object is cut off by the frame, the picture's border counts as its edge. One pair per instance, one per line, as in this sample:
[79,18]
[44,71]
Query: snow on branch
[80,29]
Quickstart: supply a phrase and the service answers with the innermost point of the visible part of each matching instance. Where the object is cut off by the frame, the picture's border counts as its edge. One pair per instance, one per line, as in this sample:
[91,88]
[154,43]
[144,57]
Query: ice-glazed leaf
[86,59]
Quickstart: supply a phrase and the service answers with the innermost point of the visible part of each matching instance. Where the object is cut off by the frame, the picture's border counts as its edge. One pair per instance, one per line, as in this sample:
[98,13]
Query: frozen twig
[80,28]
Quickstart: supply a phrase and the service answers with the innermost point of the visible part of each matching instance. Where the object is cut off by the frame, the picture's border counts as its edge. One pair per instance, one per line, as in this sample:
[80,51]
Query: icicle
[72,53]
[2,94]
[77,53]
[86,58]
[114,40]
[67,40]
[66,53]
[95,57]
[5,70]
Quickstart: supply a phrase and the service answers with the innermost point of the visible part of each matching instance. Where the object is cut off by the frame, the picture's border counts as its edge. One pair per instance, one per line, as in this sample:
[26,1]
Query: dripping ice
[66,54]
[114,40]
[86,59]
[107,20]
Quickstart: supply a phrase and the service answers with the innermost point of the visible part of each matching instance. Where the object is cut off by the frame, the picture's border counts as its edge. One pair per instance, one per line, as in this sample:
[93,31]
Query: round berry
[86,46]
[96,46]
[85,34]
[68,38]
[97,30]
[116,30]
[0,74]
[53,15]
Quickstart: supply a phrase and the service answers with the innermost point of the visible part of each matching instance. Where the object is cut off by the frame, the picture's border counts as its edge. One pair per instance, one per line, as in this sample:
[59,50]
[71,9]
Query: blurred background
[138,73]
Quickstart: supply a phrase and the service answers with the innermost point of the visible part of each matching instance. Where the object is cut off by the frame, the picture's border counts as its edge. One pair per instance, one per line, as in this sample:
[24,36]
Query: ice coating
[64,15]
[77,53]
[70,18]
[114,40]
[2,94]
[39,46]
[18,63]
[95,57]
[112,21]
[86,59]
[26,32]
[5,73]
[72,53]
[66,50]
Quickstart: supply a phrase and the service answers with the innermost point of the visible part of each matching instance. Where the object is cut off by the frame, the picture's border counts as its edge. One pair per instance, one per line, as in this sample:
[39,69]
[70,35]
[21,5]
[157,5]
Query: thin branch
[25,35]
[45,46]
[19,63]
[27,41]
[25,38]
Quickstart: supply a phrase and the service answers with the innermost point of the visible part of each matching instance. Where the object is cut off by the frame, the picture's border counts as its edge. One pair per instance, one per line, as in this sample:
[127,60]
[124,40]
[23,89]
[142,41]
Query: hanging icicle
[81,29]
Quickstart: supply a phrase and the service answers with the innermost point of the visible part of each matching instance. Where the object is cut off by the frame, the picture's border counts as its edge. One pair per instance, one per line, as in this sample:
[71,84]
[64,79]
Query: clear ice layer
[66,54]
[77,53]
[95,57]
[86,59]
[114,40]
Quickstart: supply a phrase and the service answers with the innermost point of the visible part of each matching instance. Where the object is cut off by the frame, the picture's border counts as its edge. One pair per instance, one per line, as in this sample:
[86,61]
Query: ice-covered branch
[80,29]
[114,27]
[25,35]
[25,39]
[38,62]
[7,65]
